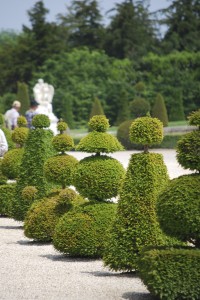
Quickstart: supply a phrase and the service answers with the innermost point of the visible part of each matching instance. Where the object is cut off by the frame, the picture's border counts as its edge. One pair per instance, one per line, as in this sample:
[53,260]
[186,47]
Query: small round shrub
[139,107]
[178,208]
[44,214]
[188,151]
[146,131]
[11,163]
[98,177]
[99,123]
[99,142]
[62,126]
[82,231]
[41,121]
[123,136]
[29,194]
[58,169]
[62,142]
[19,135]
[194,118]
[21,121]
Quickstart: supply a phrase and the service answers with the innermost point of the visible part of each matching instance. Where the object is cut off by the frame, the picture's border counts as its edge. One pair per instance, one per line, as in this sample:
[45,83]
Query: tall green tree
[23,96]
[131,32]
[84,24]
[182,18]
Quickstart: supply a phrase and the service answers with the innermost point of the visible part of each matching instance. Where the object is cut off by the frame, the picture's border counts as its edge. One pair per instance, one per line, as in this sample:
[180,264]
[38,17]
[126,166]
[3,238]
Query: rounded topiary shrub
[59,169]
[29,194]
[44,214]
[139,107]
[21,121]
[123,136]
[178,208]
[19,135]
[62,126]
[82,232]
[99,123]
[11,163]
[188,149]
[146,131]
[98,177]
[63,142]
[41,121]
[194,118]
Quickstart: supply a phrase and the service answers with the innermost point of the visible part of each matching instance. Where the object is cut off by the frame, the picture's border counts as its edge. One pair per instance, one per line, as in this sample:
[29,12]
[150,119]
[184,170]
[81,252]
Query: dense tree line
[83,58]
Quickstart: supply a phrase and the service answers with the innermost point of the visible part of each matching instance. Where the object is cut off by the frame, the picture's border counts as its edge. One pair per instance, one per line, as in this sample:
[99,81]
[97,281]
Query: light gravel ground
[30,270]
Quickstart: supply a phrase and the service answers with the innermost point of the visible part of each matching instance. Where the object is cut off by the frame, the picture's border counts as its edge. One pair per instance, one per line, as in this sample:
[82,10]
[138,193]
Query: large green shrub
[171,274]
[44,214]
[3,178]
[178,208]
[37,150]
[136,225]
[98,177]
[83,231]
[7,195]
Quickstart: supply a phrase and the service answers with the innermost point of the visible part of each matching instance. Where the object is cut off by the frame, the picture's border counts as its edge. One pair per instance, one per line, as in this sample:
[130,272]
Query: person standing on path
[12,114]
[31,112]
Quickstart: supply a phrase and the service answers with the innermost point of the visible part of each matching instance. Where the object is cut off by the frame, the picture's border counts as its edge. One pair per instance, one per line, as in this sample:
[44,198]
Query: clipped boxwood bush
[171,273]
[41,121]
[178,208]
[136,225]
[3,178]
[139,107]
[98,177]
[63,142]
[83,231]
[7,195]
[19,135]
[11,163]
[146,131]
[59,169]
[99,123]
[44,214]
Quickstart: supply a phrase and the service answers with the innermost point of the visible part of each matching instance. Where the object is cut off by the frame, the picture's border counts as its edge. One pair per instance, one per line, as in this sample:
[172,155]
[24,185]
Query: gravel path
[30,270]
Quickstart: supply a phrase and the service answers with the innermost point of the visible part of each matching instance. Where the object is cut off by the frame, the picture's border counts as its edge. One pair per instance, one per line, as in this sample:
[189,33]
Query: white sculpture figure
[43,93]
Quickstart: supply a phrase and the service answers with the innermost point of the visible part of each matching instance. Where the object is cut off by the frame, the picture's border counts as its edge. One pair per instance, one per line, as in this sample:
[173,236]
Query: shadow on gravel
[112,274]
[137,296]
[12,227]
[66,258]
[32,243]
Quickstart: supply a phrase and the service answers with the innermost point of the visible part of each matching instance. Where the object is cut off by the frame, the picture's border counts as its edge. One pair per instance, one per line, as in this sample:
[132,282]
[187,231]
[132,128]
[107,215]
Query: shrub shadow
[112,274]
[12,227]
[66,258]
[32,243]
[138,296]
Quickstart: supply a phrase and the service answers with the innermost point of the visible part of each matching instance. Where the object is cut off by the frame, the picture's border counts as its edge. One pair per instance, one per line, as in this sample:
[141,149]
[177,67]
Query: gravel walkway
[30,270]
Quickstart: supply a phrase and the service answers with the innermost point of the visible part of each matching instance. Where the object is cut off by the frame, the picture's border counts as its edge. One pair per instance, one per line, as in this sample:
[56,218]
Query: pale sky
[13,13]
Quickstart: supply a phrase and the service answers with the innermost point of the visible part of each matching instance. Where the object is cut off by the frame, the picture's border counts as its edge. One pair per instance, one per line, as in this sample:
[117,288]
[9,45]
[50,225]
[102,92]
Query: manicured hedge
[7,195]
[171,273]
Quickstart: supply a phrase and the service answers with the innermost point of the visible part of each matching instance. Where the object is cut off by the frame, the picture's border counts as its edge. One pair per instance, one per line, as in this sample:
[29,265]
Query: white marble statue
[43,93]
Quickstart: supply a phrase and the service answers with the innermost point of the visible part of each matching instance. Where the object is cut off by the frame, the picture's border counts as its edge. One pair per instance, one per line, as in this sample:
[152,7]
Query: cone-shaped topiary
[188,147]
[83,231]
[136,223]
[159,110]
[44,214]
[178,208]
[37,150]
[59,168]
[146,131]
[97,108]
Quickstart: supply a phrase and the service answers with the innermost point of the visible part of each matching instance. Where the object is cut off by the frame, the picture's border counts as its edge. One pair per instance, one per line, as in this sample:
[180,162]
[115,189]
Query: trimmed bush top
[63,142]
[62,126]
[99,123]
[21,121]
[99,142]
[146,131]
[41,121]
[194,118]
[19,135]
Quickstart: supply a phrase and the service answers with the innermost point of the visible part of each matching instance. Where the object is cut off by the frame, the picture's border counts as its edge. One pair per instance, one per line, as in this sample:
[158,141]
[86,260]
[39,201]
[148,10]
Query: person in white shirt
[12,114]
[3,143]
